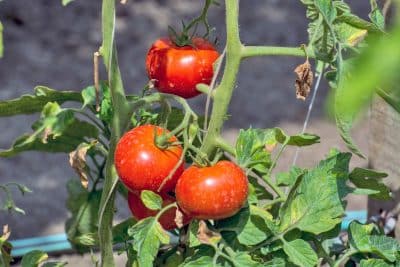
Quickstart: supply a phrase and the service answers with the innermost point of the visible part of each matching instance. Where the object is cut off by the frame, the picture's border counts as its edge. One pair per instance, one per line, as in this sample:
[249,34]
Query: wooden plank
[384,152]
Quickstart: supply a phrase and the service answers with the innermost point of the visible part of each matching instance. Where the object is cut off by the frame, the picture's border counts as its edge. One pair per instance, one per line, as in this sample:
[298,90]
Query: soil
[47,44]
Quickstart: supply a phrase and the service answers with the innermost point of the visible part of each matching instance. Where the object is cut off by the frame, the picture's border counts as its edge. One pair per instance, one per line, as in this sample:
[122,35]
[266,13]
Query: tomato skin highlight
[176,70]
[141,165]
[139,210]
[214,192]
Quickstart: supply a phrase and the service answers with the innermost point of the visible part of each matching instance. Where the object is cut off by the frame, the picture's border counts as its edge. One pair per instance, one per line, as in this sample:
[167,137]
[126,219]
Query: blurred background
[48,44]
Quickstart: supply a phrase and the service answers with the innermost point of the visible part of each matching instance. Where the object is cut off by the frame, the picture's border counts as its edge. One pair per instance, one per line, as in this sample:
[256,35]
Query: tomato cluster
[213,192]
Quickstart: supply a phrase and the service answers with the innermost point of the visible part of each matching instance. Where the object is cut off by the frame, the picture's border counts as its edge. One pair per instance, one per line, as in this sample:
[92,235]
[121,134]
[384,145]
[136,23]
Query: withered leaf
[304,80]
[6,233]
[206,236]
[270,147]
[179,218]
[77,160]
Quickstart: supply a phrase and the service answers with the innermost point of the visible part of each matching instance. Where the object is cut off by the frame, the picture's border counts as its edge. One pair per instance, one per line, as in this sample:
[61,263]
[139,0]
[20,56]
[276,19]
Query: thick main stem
[119,122]
[223,93]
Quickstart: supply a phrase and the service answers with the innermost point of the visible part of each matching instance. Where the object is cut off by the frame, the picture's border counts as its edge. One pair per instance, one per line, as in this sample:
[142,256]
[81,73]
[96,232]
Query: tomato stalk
[223,93]
[119,122]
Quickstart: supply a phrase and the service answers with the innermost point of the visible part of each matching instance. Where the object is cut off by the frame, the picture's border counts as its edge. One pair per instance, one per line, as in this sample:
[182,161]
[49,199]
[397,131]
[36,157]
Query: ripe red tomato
[176,70]
[214,192]
[139,210]
[141,165]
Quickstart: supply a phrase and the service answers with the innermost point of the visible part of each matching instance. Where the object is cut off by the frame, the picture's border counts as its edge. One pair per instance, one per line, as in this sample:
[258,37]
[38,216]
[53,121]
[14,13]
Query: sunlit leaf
[374,263]
[370,180]
[28,104]
[315,201]
[363,239]
[151,200]
[148,235]
[34,258]
[300,253]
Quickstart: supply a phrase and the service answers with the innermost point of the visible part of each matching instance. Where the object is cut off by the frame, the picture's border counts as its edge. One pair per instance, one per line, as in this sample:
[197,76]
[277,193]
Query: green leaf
[304,139]
[1,40]
[84,207]
[203,256]
[374,263]
[193,229]
[251,225]
[289,178]
[67,134]
[65,143]
[363,239]
[321,14]
[28,104]
[376,16]
[358,22]
[251,148]
[204,261]
[151,200]
[276,262]
[120,231]
[148,235]
[66,2]
[34,258]
[257,191]
[244,259]
[344,120]
[370,180]
[300,253]
[392,97]
[315,202]
[55,264]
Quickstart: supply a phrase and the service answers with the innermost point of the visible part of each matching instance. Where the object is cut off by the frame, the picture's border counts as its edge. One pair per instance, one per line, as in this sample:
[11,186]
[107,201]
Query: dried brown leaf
[46,133]
[179,218]
[206,236]
[270,147]
[304,80]
[77,160]
[6,233]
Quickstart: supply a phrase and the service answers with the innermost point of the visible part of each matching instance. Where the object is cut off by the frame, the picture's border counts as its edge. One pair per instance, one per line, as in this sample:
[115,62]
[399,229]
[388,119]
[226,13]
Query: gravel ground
[50,45]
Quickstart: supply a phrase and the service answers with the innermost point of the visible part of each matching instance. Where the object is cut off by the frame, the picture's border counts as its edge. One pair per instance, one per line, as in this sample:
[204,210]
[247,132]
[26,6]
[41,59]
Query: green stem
[255,51]
[201,18]
[119,123]
[322,253]
[221,143]
[223,93]
[345,257]
[164,209]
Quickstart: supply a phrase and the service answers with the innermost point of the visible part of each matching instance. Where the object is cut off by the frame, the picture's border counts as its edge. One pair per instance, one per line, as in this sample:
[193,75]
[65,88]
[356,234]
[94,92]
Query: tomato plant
[143,165]
[178,69]
[241,211]
[214,192]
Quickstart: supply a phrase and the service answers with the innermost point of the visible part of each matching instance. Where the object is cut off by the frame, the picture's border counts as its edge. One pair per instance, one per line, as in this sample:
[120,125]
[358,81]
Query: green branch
[119,123]
[255,51]
[223,93]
